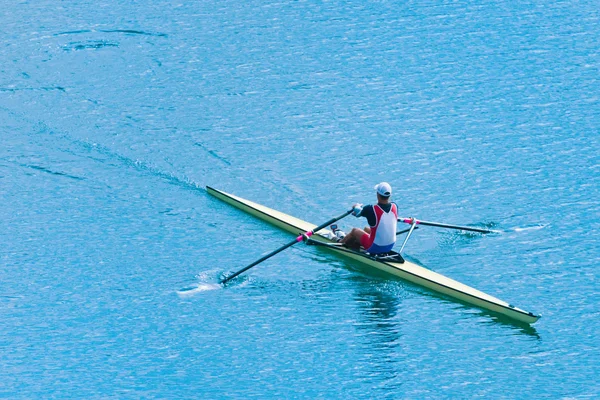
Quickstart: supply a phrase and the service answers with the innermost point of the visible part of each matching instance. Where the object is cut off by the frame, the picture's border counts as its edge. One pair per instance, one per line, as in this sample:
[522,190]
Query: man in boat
[380,236]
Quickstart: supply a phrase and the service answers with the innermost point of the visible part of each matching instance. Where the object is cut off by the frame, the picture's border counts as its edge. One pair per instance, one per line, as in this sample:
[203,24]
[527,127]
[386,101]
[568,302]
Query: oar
[300,238]
[439,225]
[404,231]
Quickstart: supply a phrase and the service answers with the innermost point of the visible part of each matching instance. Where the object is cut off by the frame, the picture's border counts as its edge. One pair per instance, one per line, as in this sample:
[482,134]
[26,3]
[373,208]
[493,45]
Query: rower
[380,236]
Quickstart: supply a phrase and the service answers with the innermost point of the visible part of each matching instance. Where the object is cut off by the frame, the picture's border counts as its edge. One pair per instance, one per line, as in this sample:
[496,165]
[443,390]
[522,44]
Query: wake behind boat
[393,263]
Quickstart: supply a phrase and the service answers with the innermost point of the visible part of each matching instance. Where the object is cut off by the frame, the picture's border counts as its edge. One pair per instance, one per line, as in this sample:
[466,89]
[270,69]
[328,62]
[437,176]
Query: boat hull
[408,271]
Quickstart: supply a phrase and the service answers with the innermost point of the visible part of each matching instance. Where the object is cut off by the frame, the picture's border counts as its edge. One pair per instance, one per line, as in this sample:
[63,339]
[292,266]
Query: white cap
[384,189]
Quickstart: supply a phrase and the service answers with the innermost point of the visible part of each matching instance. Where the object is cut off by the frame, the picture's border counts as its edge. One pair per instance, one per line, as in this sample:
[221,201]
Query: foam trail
[530,228]
[200,287]
[206,282]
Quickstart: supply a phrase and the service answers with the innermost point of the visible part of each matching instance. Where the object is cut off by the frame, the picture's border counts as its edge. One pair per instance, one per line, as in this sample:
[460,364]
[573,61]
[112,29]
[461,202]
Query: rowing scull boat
[401,268]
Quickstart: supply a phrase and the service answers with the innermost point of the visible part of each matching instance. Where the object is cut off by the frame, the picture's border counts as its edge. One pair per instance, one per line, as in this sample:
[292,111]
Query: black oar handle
[299,238]
[331,221]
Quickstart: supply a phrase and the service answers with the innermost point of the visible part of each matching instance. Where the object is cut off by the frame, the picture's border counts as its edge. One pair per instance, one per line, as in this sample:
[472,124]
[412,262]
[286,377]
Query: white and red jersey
[383,228]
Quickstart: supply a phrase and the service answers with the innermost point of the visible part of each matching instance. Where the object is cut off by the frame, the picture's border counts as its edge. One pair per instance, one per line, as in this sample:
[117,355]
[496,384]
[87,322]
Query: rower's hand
[357,209]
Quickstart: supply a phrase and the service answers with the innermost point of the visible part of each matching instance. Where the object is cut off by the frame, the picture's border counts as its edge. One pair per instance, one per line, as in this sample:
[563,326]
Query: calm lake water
[115,115]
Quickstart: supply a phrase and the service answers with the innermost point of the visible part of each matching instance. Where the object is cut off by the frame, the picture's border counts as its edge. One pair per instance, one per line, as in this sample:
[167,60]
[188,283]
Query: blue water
[115,115]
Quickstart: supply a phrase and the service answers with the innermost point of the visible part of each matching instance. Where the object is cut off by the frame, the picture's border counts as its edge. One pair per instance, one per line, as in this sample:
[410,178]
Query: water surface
[114,116]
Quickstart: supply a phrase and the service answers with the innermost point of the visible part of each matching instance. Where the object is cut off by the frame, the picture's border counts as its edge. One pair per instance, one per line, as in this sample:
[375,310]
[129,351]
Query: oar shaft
[271,254]
[299,238]
[405,230]
[440,225]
